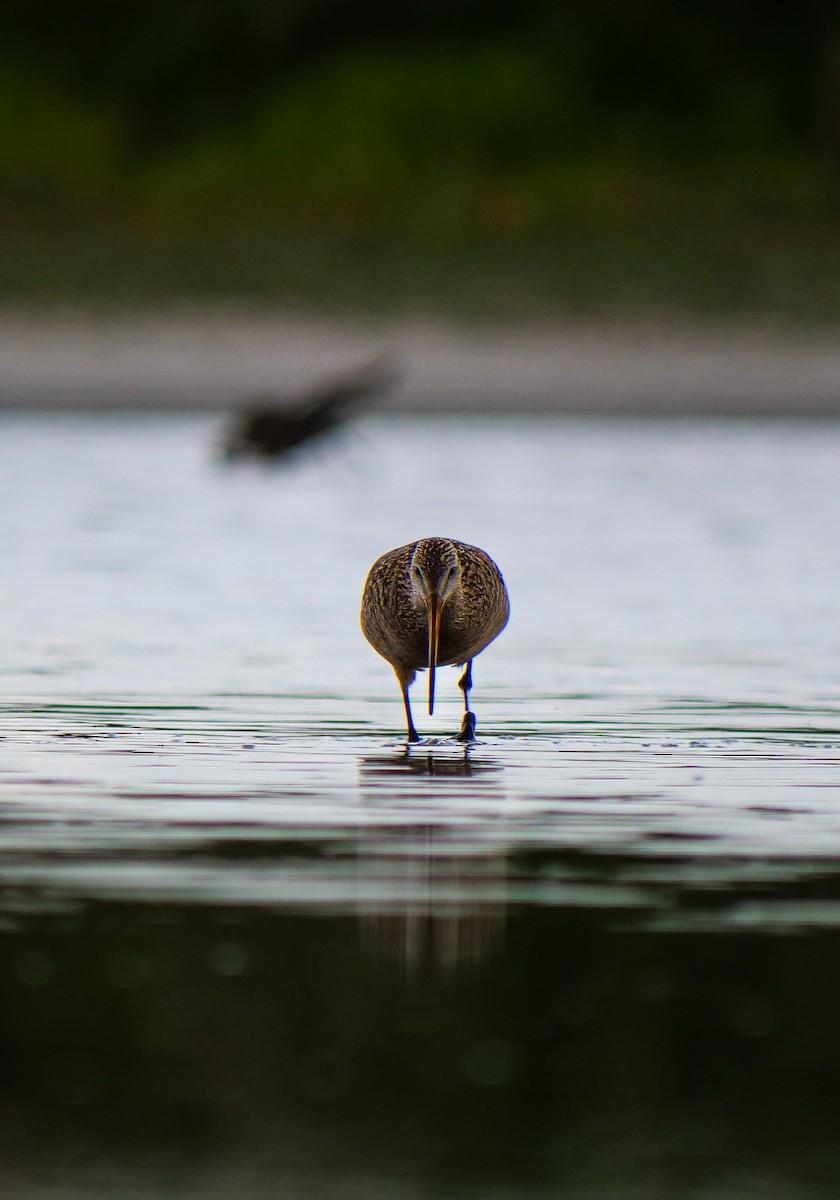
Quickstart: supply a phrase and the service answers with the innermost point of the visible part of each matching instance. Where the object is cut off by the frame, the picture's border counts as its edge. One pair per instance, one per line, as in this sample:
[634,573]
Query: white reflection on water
[190,712]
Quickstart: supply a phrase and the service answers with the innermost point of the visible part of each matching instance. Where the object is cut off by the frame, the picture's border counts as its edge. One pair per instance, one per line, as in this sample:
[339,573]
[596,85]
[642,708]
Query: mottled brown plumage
[433,603]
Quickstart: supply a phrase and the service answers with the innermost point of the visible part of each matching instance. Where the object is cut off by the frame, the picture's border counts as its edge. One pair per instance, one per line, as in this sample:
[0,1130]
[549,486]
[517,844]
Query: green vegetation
[323,154]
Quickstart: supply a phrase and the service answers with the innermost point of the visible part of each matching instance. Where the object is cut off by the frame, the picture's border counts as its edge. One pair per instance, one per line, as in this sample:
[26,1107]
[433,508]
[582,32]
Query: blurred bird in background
[271,428]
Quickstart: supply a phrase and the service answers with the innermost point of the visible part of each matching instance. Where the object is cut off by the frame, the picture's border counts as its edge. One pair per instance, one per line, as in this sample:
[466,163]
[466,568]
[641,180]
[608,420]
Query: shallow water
[255,945]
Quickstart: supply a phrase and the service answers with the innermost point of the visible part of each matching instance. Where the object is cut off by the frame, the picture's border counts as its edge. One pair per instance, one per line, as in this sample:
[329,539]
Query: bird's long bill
[434,636]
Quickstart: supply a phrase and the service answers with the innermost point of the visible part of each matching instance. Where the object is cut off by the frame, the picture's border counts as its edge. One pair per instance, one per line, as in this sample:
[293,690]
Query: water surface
[255,943]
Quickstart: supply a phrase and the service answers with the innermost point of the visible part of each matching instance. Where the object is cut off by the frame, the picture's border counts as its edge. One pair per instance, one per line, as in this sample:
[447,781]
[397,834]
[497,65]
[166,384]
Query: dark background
[490,157]
[139,1053]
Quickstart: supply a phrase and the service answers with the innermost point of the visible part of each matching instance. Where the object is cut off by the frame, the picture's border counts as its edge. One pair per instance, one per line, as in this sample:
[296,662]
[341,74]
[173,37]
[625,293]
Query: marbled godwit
[433,603]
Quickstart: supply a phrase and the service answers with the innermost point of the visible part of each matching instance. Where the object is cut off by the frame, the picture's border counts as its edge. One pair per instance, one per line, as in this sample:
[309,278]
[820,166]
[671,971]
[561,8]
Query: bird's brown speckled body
[433,584]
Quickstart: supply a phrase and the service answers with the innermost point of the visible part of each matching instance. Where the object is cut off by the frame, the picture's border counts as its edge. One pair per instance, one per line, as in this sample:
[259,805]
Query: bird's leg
[465,683]
[413,735]
[467,733]
[406,679]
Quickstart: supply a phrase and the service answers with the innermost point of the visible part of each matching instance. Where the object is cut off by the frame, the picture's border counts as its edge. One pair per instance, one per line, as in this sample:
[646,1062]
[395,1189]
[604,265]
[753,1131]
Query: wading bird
[270,429]
[430,604]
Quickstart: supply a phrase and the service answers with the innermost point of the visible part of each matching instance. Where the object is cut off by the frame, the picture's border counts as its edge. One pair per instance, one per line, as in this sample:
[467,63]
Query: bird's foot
[467,733]
[412,735]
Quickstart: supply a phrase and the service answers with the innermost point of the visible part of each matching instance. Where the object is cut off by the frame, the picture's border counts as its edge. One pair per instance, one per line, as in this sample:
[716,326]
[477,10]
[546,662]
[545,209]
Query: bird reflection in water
[441,905]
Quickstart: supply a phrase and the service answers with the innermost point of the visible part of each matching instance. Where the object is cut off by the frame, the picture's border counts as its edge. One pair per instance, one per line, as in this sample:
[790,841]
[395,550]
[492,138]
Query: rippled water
[183,665]
[195,737]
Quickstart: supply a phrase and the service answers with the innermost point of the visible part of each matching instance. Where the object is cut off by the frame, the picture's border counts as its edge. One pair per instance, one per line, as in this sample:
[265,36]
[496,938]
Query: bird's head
[435,574]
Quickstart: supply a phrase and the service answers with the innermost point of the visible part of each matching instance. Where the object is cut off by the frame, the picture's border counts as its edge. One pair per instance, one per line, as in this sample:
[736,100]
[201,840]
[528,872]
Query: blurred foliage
[236,137]
[54,148]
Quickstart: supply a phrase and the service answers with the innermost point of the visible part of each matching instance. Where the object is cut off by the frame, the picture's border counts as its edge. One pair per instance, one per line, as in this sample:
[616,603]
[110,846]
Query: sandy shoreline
[213,361]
